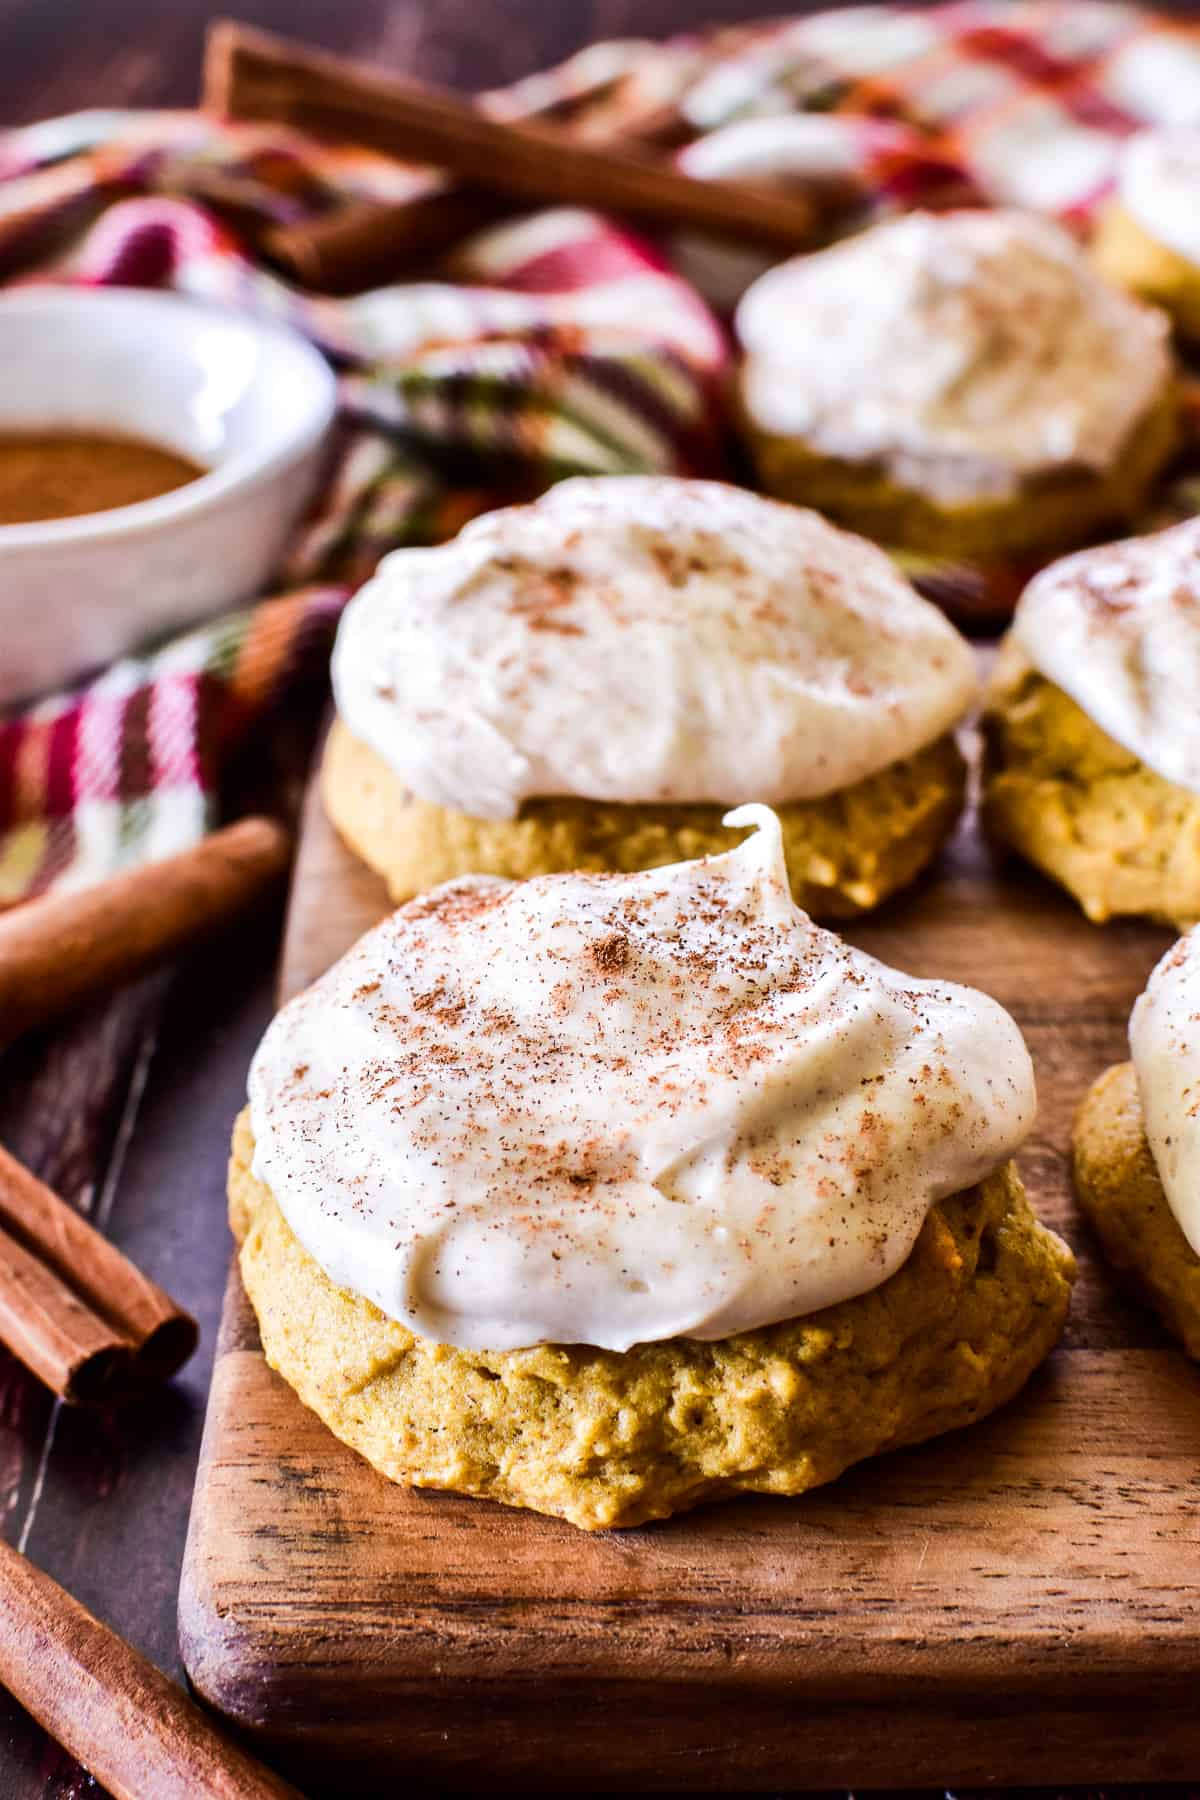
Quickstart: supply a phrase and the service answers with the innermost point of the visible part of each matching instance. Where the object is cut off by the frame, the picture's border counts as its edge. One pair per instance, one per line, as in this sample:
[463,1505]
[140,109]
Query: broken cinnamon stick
[72,1307]
[60,950]
[253,75]
[132,1729]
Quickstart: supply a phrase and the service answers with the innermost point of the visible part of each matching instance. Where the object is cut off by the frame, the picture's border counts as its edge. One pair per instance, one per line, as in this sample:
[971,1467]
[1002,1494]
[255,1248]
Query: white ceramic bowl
[252,402]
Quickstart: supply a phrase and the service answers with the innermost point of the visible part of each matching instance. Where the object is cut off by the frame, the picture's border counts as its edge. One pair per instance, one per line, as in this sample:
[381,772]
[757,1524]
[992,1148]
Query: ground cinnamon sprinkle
[59,475]
[611,954]
[561,1092]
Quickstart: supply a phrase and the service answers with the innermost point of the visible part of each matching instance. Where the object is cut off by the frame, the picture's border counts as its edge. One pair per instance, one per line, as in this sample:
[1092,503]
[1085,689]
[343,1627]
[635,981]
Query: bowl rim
[227,479]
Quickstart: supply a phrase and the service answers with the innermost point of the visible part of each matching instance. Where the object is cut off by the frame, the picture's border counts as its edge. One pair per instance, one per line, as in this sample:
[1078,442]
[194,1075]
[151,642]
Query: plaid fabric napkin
[576,351]
[561,346]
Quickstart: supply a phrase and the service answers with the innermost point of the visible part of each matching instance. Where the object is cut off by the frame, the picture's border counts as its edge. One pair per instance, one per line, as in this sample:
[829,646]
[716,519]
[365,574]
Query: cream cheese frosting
[963,352]
[1158,184]
[1118,629]
[1164,1036]
[645,639]
[610,1109]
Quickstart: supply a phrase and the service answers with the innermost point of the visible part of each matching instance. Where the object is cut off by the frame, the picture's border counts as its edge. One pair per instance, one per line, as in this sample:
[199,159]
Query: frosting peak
[645,639]
[1118,629]
[616,1108]
[1164,1036]
[964,351]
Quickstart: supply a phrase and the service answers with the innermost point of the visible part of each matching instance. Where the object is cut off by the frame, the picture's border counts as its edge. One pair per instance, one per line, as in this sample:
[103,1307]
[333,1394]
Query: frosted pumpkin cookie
[1137,1148]
[607,1195]
[959,383]
[1148,239]
[1092,727]
[589,682]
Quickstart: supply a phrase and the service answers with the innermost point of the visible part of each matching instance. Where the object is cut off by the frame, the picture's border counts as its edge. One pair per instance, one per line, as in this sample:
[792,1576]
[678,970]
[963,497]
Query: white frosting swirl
[1118,629]
[963,352]
[608,1109]
[1164,1036]
[645,639]
[1158,184]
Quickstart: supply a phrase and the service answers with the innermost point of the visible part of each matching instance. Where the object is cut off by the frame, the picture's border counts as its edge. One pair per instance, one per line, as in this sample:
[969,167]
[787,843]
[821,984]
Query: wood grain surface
[1017,1601]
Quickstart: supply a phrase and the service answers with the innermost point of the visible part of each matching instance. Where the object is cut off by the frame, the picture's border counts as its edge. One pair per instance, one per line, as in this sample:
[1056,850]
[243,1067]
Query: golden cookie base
[604,1439]
[846,852]
[1089,813]
[1118,1188]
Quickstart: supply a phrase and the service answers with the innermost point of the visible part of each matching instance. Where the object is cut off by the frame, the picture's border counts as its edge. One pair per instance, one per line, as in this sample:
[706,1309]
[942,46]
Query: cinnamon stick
[60,950]
[252,75]
[132,1729]
[369,241]
[366,242]
[72,1307]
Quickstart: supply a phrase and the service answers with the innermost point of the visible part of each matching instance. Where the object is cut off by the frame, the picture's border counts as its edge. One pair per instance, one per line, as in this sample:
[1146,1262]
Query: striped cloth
[576,351]
[561,345]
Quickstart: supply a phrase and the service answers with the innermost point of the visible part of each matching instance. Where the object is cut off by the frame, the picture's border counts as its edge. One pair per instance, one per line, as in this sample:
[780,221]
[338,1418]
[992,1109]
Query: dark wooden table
[127,1111]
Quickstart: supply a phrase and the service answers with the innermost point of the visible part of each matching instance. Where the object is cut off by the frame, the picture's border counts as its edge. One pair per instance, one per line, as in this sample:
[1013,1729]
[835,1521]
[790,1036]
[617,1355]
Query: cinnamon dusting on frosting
[609,1109]
[645,639]
[611,953]
[1164,1037]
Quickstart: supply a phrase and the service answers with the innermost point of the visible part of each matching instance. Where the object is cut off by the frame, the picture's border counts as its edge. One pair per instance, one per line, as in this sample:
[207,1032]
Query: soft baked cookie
[845,852]
[958,384]
[602,1438]
[1148,237]
[607,1195]
[1092,730]
[1137,1147]
[1118,1188]
[589,682]
[1088,812]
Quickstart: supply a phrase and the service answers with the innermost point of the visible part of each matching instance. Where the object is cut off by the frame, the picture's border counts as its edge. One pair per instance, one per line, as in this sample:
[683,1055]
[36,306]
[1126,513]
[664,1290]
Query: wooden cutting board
[1019,1602]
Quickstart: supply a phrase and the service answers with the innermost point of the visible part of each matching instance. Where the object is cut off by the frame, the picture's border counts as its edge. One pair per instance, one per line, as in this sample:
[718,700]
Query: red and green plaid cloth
[561,346]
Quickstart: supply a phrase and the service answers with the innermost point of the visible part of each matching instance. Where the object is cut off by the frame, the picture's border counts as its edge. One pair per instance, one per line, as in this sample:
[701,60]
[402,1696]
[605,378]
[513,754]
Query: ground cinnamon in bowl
[60,475]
